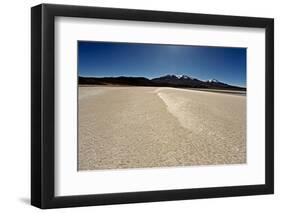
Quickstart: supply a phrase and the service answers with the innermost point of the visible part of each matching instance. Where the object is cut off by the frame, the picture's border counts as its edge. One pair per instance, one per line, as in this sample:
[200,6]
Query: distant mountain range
[183,81]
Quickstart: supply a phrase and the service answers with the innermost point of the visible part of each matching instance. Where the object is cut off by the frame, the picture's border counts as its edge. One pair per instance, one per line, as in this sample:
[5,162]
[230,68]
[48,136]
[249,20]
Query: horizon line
[150,78]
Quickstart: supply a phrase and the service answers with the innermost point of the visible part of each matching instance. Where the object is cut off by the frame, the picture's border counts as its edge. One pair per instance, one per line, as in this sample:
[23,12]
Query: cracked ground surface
[140,127]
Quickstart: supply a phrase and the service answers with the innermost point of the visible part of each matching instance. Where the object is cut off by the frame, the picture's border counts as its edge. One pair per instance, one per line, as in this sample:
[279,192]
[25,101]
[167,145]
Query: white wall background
[15,105]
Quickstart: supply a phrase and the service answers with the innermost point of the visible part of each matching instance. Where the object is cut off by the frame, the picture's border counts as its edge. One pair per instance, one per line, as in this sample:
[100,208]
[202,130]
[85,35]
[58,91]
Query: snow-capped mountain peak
[183,77]
[178,76]
[187,77]
[213,81]
[170,76]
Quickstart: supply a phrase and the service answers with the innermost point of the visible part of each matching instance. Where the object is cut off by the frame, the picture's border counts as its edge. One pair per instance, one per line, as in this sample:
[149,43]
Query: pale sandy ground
[138,127]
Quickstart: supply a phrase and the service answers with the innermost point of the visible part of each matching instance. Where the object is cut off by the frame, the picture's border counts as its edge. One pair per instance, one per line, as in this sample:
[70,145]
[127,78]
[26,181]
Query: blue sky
[111,59]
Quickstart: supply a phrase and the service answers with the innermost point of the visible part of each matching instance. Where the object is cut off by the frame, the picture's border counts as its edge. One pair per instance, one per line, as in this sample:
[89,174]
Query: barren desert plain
[139,127]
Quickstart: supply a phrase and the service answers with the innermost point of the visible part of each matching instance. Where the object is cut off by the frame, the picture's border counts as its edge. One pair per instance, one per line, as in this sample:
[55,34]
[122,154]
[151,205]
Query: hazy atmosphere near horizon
[160,105]
[113,59]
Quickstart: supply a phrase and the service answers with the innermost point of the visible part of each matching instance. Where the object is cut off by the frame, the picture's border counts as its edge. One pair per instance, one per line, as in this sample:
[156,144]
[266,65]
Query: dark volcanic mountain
[179,80]
[183,81]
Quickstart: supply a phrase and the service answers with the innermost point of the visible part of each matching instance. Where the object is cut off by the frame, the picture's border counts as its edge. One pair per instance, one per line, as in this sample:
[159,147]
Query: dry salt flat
[140,127]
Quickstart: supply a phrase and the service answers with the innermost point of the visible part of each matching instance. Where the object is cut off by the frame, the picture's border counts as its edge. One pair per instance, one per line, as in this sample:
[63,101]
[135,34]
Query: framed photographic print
[139,106]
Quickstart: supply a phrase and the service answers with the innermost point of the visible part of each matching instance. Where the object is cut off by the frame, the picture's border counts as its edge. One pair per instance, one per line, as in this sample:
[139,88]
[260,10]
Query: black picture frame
[43,102]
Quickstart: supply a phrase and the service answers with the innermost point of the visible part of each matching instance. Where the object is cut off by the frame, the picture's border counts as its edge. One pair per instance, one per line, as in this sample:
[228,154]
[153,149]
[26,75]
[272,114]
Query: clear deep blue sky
[110,59]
